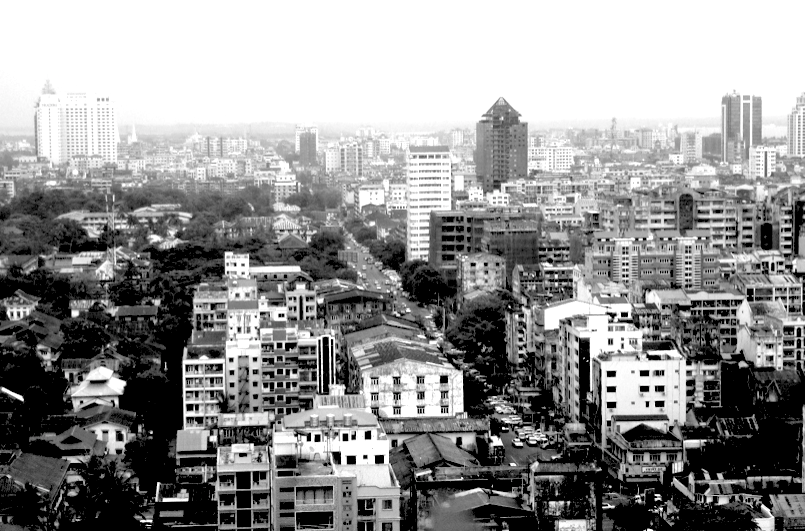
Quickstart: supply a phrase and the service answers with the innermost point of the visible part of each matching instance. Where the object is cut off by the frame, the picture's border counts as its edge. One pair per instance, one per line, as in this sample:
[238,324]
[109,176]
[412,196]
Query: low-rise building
[404,378]
[243,487]
[100,387]
[643,454]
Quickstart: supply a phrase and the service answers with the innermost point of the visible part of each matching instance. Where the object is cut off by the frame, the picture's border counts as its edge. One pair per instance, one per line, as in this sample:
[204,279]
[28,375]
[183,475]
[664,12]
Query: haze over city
[414,64]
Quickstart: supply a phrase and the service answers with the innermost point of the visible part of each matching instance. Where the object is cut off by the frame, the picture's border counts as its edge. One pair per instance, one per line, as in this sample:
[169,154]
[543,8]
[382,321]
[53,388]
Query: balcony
[226,486]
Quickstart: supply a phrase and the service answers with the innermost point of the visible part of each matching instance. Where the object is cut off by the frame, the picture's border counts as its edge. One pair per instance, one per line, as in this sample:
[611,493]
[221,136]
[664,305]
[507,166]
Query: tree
[365,234]
[82,338]
[125,292]
[110,497]
[148,458]
[393,254]
[631,517]
[31,509]
[407,271]
[327,243]
[695,517]
[428,285]
[146,394]
[479,330]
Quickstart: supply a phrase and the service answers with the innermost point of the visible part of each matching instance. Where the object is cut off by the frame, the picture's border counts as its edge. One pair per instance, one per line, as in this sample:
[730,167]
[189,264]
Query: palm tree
[110,495]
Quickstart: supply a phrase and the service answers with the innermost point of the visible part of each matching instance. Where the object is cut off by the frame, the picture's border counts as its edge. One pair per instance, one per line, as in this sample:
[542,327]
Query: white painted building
[796,129]
[429,181]
[638,384]
[405,378]
[762,161]
[582,339]
[203,388]
[550,158]
[75,124]
[369,194]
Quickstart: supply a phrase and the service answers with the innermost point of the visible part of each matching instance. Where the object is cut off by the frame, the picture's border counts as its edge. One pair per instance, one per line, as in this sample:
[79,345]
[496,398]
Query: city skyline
[555,73]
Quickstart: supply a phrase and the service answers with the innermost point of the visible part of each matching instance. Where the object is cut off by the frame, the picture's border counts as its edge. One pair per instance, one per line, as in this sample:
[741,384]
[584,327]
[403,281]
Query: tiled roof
[137,311]
[47,473]
[642,432]
[388,350]
[106,414]
[430,449]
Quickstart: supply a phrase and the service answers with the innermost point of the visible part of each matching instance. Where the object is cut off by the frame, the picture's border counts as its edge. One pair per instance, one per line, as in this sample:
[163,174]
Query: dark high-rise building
[501,151]
[741,126]
[308,143]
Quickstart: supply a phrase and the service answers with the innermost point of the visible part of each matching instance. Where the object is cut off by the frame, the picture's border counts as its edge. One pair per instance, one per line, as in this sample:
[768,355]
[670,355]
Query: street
[522,456]
[376,281]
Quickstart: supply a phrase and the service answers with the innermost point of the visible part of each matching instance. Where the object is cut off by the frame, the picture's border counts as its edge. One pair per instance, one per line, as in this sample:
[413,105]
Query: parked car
[607,506]
[532,441]
[517,443]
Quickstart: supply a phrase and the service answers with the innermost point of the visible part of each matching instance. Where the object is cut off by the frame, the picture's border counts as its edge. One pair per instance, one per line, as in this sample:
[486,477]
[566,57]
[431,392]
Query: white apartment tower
[429,180]
[75,124]
[762,161]
[796,129]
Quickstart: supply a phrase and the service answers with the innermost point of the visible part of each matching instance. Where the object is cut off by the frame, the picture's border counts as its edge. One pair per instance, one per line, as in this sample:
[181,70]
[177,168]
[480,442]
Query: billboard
[571,525]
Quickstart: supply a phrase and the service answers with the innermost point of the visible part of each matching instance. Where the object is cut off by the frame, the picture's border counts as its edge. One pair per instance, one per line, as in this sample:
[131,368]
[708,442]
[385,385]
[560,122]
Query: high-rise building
[741,125]
[762,161]
[501,152]
[351,158]
[308,147]
[306,129]
[76,124]
[796,129]
[690,145]
[429,178]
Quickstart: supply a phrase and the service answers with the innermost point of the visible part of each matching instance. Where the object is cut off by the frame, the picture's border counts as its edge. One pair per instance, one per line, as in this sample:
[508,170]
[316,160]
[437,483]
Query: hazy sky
[415,62]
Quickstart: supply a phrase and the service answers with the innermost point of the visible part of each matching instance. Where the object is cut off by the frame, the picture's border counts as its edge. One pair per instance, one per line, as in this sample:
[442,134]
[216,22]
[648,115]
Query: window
[313,495]
[119,436]
[350,459]
[367,435]
[397,411]
[659,388]
[396,380]
[365,526]
[610,341]
[379,459]
[659,373]
[670,457]
[420,396]
[105,435]
[386,505]
[610,374]
[376,411]
[443,379]
[375,397]
[459,441]
[445,395]
[397,397]
[638,458]
[644,373]
[654,458]
[375,380]
[420,410]
[611,388]
[387,526]
[644,388]
[420,380]
[659,403]
[445,409]
[612,405]
[394,443]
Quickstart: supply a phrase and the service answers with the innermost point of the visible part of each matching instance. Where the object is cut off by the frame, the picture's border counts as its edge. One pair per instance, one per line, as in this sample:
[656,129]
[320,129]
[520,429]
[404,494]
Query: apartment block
[203,387]
[582,339]
[516,241]
[792,329]
[682,311]
[331,470]
[786,289]
[688,260]
[210,307]
[243,487]
[405,378]
[429,178]
[645,384]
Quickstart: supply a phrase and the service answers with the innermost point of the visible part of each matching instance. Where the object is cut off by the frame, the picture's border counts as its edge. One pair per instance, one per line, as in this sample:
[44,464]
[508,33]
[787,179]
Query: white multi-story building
[429,181]
[762,161]
[643,386]
[582,339]
[243,487]
[396,196]
[369,194]
[332,159]
[404,378]
[75,124]
[550,158]
[796,129]
[203,388]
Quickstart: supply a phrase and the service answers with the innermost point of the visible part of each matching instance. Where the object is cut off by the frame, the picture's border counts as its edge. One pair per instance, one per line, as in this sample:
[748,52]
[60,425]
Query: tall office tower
[76,124]
[428,177]
[690,145]
[796,129]
[48,125]
[501,151]
[301,129]
[741,125]
[308,147]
